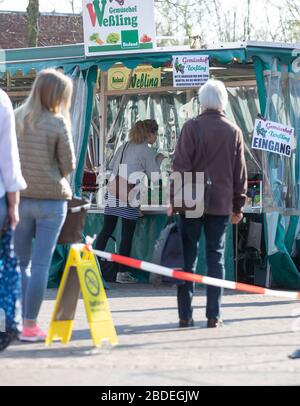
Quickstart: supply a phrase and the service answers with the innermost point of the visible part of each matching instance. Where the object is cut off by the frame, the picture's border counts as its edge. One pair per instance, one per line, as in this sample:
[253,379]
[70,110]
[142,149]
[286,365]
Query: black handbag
[10,291]
[168,252]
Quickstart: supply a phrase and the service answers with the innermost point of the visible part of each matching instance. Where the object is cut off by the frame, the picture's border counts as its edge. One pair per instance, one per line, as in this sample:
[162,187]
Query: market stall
[103,111]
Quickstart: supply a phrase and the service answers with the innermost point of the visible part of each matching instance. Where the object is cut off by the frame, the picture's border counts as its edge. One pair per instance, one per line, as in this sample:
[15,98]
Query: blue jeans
[41,220]
[3,210]
[215,232]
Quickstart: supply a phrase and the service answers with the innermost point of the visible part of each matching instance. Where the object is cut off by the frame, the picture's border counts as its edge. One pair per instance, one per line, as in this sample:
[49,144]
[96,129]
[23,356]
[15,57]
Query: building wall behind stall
[54,29]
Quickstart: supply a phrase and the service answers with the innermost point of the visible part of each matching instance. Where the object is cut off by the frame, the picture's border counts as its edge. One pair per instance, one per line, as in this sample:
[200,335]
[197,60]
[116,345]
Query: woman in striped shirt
[139,158]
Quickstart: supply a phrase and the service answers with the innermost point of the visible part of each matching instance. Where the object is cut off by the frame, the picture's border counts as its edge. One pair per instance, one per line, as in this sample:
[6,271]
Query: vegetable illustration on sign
[179,67]
[145,38]
[96,38]
[113,38]
[260,130]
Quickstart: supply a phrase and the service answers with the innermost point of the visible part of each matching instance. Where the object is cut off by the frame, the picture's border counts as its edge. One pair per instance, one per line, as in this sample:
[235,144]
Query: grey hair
[213,95]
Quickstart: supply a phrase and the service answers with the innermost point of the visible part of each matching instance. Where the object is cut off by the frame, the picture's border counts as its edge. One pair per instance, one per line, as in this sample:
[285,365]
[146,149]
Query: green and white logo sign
[114,26]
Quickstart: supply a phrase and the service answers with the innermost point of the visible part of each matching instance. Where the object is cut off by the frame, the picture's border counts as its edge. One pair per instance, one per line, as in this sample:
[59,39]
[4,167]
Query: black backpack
[168,251]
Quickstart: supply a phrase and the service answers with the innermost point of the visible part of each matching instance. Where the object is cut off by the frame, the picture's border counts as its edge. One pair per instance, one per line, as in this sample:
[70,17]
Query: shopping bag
[71,232]
[10,291]
[168,251]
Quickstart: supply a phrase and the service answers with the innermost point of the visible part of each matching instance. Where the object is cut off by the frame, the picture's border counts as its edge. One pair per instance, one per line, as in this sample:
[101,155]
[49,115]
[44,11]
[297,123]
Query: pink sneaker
[32,334]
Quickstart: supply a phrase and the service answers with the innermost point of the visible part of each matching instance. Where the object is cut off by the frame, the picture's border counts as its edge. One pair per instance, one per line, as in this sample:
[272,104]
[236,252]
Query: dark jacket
[220,154]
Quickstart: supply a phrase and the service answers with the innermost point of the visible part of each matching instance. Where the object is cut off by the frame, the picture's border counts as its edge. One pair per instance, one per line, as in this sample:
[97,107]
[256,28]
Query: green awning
[73,55]
[268,54]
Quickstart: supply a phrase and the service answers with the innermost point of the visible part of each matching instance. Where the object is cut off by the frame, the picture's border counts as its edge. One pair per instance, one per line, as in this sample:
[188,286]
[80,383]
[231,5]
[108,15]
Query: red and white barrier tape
[173,273]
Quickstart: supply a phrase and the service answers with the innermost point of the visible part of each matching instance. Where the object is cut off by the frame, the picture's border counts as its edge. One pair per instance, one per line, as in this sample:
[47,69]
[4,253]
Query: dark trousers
[215,232]
[128,228]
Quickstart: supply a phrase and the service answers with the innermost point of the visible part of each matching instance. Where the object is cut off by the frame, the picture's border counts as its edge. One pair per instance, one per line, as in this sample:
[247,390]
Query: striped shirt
[138,158]
[116,207]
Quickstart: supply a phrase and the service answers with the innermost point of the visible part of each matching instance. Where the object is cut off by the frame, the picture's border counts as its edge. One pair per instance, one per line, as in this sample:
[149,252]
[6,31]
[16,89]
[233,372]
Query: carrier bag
[71,232]
[10,291]
[168,251]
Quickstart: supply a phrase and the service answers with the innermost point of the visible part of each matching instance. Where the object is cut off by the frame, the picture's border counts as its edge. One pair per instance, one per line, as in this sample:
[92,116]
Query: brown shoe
[214,323]
[186,323]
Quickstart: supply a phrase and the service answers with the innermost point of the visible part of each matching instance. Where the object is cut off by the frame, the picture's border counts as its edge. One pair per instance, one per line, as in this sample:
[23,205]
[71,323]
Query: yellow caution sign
[82,274]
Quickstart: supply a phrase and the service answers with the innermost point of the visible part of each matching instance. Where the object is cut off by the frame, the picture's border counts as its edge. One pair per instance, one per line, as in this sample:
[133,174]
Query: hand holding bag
[168,251]
[10,291]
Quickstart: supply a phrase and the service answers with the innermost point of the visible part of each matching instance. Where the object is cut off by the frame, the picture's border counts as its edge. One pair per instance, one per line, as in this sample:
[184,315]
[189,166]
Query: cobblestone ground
[251,349]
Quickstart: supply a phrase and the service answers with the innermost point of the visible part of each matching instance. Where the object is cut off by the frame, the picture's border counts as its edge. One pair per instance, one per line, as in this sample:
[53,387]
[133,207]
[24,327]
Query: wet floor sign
[82,274]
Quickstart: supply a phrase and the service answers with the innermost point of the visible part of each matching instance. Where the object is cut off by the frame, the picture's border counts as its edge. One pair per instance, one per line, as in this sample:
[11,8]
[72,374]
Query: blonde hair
[142,130]
[52,91]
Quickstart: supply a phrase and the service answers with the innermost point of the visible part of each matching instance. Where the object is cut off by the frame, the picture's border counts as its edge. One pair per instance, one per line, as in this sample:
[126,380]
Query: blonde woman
[138,157]
[47,158]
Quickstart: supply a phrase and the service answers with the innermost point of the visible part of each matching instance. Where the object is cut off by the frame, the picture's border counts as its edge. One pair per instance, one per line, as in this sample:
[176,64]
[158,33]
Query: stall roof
[69,56]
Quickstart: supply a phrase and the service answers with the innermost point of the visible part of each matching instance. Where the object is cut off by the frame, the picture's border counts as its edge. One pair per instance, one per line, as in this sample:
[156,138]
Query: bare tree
[71,2]
[32,22]
[217,22]
[204,18]
[287,27]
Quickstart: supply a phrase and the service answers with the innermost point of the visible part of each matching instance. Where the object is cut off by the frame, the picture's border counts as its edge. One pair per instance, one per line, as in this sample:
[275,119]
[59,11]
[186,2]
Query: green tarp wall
[279,94]
[149,226]
[147,231]
[282,234]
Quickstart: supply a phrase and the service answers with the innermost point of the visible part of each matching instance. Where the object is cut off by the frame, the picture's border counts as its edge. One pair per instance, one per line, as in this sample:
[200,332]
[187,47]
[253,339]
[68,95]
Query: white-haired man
[211,144]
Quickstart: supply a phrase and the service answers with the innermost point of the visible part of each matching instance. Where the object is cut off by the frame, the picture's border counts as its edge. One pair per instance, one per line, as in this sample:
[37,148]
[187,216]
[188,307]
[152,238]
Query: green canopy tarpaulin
[284,241]
[70,56]
[279,93]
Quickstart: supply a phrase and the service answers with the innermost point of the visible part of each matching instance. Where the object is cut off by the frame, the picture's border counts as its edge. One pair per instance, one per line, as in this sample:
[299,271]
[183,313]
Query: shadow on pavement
[69,351]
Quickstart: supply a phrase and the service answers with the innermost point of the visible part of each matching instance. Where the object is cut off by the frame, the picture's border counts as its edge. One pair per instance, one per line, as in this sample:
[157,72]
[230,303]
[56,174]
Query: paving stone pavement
[251,349]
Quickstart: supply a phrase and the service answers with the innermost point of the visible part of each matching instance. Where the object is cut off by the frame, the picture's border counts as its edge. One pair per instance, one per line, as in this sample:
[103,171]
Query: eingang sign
[116,26]
[273,137]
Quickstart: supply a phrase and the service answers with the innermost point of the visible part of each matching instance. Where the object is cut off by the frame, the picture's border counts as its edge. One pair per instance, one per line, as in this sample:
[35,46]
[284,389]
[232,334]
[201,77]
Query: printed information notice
[190,70]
